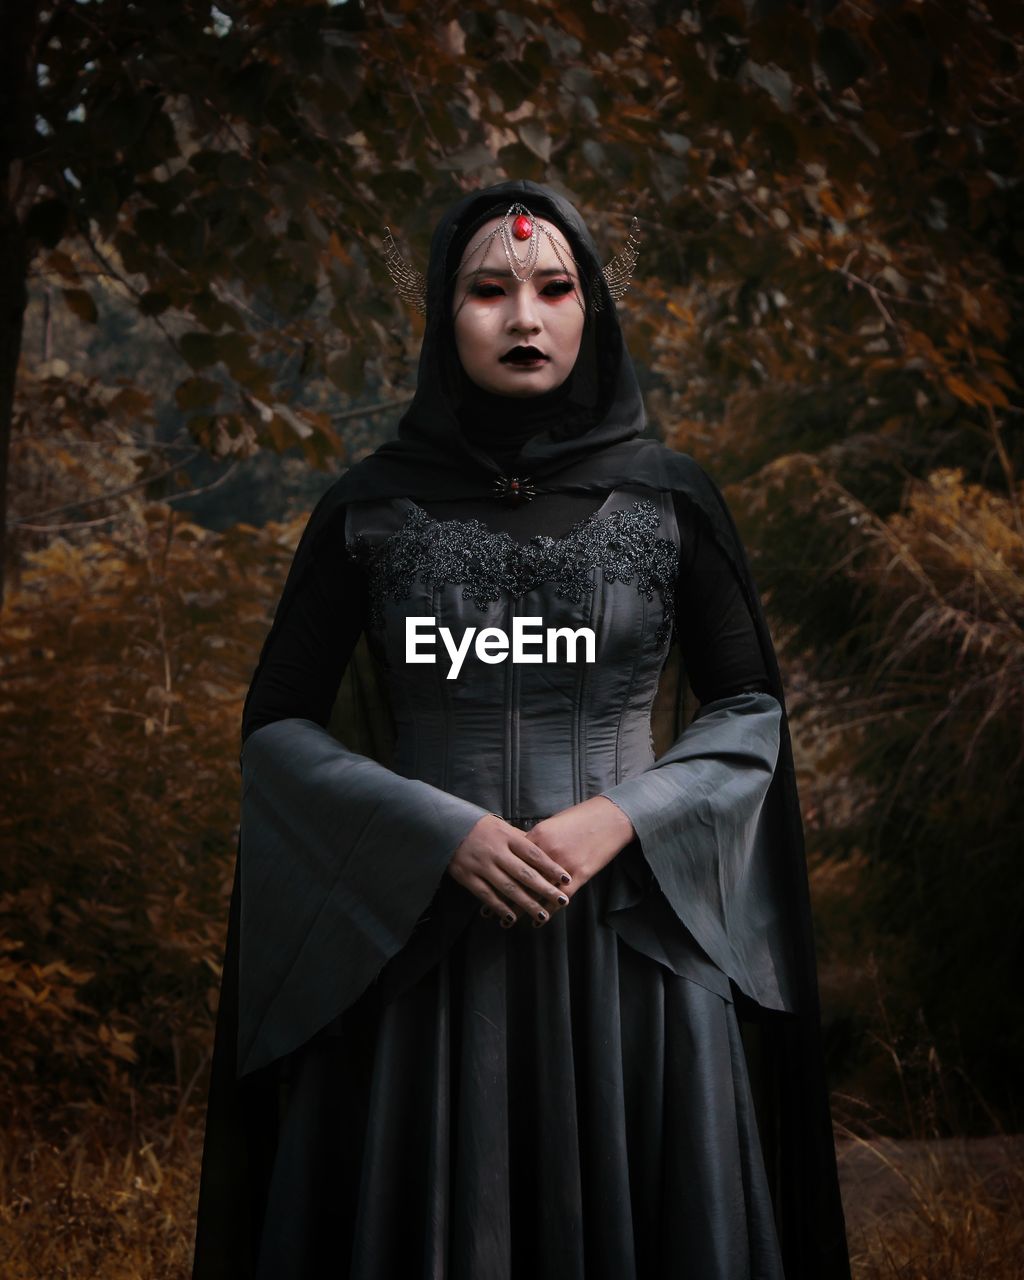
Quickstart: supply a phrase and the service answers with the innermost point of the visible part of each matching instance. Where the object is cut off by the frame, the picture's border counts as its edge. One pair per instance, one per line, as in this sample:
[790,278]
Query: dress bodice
[523,738]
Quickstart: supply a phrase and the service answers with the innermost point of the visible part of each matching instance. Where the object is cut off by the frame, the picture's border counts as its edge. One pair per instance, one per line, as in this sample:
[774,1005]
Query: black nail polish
[566,879]
[563,901]
[509,918]
[542,915]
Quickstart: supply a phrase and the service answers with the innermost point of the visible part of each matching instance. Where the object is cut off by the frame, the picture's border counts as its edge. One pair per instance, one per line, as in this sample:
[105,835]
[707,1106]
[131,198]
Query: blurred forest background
[198,335]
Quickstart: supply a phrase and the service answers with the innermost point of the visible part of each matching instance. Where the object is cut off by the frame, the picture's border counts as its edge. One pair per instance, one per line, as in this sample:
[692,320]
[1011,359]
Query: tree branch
[112,493]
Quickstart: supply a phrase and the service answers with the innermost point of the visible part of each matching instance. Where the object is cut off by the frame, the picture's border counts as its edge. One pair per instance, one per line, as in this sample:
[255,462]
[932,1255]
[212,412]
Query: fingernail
[542,915]
[509,918]
[566,879]
[538,924]
[563,901]
[485,911]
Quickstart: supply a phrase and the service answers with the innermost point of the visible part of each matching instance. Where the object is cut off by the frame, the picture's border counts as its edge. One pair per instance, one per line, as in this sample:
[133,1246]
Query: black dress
[552,1102]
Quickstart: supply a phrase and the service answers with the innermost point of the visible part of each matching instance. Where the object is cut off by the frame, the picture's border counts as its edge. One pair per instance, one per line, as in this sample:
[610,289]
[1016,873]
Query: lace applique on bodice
[624,545]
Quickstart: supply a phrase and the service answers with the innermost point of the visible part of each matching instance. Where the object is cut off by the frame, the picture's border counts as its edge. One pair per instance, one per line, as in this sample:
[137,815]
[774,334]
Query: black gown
[399,1088]
[549,1102]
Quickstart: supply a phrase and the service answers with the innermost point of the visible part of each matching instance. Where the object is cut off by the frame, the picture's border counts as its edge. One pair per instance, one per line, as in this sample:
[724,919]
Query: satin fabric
[544,1103]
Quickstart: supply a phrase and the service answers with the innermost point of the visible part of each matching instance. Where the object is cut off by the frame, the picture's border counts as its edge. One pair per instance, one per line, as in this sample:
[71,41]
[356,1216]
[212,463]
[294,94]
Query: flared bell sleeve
[703,812]
[339,855]
[699,817]
[339,858]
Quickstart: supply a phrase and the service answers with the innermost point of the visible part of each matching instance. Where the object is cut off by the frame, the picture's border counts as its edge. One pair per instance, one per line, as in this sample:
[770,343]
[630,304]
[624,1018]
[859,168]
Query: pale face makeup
[499,320]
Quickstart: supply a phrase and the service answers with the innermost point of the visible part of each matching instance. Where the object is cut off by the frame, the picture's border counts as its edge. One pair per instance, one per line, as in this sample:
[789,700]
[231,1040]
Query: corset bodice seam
[511,769]
[627,700]
[580,725]
[444,700]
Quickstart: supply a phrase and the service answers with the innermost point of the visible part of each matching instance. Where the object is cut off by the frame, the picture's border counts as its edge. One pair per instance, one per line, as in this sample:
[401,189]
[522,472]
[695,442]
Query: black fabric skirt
[543,1103]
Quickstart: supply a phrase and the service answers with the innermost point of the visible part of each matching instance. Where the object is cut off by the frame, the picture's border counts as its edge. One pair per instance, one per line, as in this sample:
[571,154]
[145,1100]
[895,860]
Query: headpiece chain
[518,224]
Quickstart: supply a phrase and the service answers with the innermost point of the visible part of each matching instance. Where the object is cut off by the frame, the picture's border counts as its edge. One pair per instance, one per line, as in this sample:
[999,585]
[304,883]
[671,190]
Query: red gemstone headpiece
[518,224]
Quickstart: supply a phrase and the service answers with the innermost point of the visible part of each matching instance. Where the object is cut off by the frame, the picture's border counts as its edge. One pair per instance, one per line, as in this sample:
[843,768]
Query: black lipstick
[523,355]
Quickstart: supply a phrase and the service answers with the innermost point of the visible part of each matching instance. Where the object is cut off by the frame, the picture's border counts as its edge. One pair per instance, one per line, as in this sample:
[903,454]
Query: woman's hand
[509,872]
[584,838]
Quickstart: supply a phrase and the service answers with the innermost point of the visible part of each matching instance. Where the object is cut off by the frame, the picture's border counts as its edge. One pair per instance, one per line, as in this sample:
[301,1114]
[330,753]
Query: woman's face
[499,319]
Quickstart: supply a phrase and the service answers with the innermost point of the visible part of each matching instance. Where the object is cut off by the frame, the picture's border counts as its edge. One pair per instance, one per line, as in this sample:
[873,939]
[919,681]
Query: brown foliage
[124,663]
[912,624]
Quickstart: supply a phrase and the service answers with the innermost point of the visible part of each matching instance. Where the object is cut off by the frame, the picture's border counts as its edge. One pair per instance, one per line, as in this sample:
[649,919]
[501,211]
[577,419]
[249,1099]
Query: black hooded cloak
[590,442]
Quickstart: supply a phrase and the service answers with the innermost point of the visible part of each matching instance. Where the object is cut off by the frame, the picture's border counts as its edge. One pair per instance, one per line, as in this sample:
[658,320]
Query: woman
[487,957]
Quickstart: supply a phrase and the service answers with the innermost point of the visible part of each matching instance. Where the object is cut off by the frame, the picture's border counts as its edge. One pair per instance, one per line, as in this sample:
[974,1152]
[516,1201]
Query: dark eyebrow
[505,271]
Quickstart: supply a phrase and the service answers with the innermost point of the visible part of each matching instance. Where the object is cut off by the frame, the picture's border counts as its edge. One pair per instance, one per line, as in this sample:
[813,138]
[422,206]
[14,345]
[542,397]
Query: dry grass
[948,1209]
[99,1208]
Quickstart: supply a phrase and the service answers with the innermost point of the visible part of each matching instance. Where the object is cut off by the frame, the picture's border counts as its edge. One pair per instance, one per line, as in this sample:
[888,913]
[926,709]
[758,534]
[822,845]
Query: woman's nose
[524,317]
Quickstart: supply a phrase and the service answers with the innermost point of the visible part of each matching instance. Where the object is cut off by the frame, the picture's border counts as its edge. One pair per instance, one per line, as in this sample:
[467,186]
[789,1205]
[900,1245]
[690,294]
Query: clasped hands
[516,873]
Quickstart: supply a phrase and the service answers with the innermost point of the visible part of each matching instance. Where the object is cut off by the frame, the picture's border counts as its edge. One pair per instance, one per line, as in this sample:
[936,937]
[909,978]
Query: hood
[603,410]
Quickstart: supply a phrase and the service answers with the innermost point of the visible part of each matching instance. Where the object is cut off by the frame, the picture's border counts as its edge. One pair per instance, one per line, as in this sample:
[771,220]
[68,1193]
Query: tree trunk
[18,22]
